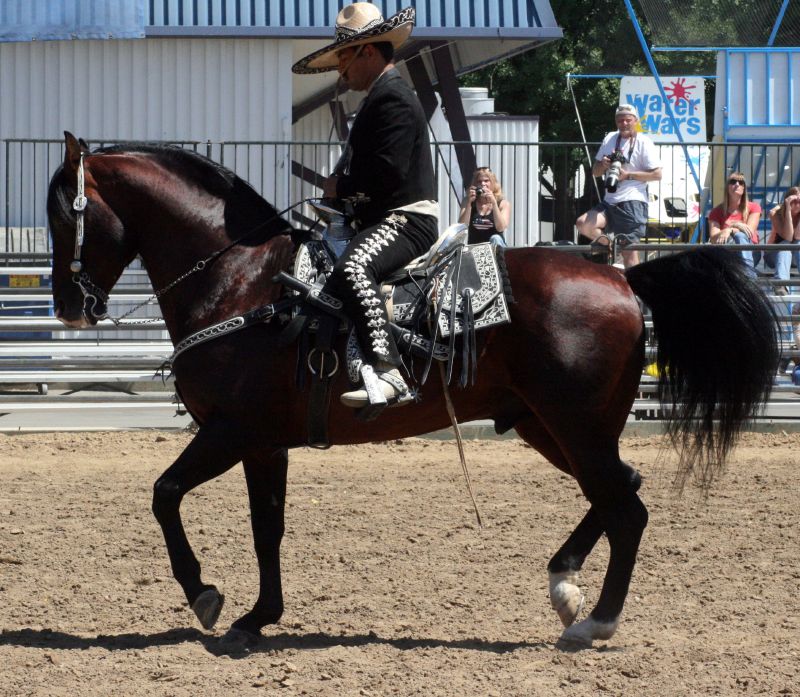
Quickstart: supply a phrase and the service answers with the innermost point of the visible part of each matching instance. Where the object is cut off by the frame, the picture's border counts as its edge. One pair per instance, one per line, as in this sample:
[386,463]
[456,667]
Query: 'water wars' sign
[686,96]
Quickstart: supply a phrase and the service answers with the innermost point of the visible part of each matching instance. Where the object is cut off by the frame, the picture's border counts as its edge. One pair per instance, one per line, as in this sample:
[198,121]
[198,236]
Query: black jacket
[391,153]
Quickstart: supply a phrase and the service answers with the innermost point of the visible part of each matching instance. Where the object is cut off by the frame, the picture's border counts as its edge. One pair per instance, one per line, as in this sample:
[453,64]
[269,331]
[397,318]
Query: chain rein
[91,292]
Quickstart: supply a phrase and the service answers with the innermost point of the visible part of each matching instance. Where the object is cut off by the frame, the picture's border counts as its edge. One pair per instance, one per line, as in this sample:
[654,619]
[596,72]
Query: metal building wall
[151,89]
[189,89]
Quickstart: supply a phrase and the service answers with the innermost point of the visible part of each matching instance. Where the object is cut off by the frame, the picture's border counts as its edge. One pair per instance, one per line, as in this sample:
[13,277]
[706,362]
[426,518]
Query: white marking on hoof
[586,631]
[566,597]
[207,607]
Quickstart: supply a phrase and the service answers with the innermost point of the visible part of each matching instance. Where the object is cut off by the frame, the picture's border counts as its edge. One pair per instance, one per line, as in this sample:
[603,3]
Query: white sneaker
[391,385]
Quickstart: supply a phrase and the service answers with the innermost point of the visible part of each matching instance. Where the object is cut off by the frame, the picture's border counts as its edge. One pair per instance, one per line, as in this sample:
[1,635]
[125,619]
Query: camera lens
[478,191]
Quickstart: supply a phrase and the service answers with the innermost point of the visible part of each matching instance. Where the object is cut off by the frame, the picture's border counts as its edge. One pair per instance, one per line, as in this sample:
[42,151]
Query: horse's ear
[83,144]
[72,151]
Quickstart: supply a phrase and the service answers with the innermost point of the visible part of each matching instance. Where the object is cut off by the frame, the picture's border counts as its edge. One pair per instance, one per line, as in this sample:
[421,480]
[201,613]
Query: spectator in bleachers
[485,209]
[735,220]
[785,219]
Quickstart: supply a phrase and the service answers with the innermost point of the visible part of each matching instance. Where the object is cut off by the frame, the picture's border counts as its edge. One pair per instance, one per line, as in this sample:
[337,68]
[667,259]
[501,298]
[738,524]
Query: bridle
[93,294]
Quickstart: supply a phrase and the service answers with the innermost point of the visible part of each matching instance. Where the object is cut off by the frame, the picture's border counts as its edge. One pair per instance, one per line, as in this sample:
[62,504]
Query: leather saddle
[455,289]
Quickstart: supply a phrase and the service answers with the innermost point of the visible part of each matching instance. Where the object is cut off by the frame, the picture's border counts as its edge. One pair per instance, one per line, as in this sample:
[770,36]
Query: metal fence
[548,184]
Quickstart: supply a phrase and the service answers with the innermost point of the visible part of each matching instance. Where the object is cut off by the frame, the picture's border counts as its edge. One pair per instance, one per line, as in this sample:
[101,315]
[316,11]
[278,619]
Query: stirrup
[374,392]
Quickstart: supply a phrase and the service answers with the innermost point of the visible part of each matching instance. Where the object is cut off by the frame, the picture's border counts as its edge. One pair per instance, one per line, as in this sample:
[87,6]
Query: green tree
[599,38]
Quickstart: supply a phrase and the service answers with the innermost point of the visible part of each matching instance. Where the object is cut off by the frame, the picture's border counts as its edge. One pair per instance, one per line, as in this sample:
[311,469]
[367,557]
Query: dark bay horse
[563,373]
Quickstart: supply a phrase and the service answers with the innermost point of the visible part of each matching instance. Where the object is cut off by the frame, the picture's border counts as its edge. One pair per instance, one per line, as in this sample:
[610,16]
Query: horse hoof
[238,640]
[586,631]
[566,597]
[207,607]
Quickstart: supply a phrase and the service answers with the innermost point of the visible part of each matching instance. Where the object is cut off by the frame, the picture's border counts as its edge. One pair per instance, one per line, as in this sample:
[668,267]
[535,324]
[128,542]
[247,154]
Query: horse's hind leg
[566,596]
[266,488]
[212,452]
[610,486]
[568,561]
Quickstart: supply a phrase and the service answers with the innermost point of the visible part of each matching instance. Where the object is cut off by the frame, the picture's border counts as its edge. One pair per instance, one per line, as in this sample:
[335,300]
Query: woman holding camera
[485,209]
[735,220]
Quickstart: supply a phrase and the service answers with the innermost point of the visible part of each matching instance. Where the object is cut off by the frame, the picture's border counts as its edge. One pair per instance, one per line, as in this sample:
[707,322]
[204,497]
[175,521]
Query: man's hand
[329,186]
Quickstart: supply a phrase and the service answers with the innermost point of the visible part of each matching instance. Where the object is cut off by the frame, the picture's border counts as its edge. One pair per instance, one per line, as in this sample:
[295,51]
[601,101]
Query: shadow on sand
[50,639]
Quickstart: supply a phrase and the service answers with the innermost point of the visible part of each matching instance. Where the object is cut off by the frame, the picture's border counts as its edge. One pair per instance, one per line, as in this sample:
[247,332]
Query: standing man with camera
[626,160]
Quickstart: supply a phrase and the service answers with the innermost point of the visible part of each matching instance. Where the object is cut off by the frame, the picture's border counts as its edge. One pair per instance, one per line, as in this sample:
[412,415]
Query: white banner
[686,96]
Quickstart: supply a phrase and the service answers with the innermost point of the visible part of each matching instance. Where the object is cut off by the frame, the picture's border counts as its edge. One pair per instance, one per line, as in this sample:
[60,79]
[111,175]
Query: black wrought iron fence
[548,184]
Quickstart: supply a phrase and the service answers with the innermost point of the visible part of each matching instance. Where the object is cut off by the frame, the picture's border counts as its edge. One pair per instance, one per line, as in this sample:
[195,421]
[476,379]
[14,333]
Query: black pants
[372,255]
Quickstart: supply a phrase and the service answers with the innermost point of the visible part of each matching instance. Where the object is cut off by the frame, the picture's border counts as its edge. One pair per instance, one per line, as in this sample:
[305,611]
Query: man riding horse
[386,174]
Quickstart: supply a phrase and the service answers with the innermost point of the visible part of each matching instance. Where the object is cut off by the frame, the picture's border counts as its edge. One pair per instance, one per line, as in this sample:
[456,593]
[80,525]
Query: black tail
[718,350]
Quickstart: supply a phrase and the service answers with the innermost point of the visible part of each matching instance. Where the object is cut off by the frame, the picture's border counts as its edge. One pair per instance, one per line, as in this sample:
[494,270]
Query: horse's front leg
[266,488]
[214,450]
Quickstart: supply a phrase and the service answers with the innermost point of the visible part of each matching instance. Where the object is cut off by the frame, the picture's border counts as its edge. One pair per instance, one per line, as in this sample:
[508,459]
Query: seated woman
[735,221]
[785,220]
[485,209]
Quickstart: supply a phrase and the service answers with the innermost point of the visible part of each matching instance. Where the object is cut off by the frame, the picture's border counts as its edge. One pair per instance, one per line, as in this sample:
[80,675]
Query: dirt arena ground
[390,587]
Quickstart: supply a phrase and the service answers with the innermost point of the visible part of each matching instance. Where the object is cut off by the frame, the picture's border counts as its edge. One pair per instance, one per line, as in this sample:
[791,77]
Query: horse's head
[90,247]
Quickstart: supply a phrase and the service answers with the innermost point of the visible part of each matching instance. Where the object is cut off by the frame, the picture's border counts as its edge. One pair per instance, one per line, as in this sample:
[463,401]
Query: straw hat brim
[396,30]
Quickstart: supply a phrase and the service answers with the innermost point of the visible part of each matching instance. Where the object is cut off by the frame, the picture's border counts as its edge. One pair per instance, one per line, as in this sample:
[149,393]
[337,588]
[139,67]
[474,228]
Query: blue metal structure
[755,101]
[50,20]
[667,105]
[773,35]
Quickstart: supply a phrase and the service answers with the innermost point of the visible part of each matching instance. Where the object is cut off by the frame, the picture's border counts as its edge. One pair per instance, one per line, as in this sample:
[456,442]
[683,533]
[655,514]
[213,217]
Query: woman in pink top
[735,221]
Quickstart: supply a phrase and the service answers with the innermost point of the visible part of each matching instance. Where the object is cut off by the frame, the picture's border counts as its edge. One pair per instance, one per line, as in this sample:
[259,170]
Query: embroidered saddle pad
[479,273]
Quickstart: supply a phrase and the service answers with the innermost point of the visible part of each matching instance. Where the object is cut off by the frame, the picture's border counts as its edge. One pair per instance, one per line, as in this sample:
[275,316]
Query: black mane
[245,209]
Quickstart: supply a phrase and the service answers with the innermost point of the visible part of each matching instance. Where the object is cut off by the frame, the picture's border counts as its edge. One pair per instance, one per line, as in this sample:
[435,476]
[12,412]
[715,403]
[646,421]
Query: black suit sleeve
[384,146]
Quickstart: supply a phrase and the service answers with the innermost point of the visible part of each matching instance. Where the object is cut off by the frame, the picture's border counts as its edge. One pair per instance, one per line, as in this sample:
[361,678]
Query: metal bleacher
[45,367]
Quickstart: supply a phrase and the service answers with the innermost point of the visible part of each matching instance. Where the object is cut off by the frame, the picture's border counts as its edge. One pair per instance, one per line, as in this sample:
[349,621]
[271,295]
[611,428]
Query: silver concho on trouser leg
[383,384]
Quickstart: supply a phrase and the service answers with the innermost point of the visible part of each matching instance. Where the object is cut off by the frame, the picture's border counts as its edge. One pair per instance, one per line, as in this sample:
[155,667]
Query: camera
[612,174]
[478,191]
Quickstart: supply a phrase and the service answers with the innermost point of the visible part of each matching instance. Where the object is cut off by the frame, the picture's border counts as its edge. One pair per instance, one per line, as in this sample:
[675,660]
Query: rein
[93,294]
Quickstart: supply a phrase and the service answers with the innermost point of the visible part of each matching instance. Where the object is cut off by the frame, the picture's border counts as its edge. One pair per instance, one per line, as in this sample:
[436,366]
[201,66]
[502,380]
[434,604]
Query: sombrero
[358,24]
